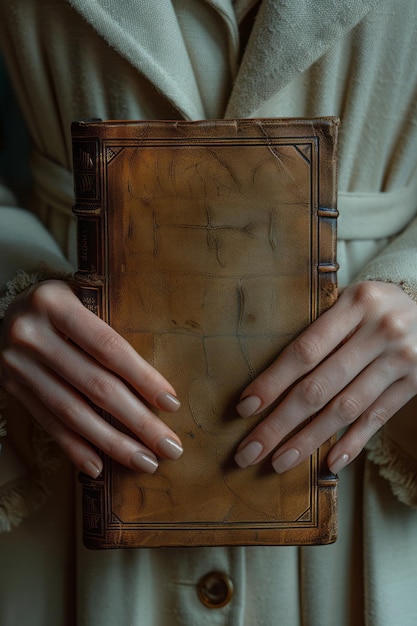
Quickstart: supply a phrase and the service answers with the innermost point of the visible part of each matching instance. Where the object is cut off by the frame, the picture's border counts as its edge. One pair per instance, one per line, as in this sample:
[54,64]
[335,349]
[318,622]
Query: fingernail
[169,448]
[248,406]
[167,402]
[144,463]
[91,469]
[248,454]
[286,460]
[339,464]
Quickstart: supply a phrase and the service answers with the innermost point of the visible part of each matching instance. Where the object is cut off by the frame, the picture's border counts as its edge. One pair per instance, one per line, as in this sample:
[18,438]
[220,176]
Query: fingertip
[167,401]
[92,469]
[339,463]
[144,462]
[283,461]
[248,406]
[169,448]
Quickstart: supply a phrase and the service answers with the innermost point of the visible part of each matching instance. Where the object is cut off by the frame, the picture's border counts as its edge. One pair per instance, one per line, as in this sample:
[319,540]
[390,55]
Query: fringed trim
[19,501]
[28,495]
[13,288]
[23,280]
[399,469]
[42,446]
[410,290]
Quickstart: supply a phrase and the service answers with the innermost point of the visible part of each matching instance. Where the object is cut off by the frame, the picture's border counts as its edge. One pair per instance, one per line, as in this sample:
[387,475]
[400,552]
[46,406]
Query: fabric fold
[276,52]
[396,466]
[25,465]
[375,215]
[155,48]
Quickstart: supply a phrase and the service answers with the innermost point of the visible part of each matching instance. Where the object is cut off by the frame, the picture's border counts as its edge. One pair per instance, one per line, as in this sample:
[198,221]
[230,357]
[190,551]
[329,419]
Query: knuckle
[408,354]
[69,413]
[348,408]
[108,342]
[20,331]
[273,430]
[100,386]
[367,295]
[315,391]
[113,446]
[145,425]
[40,297]
[393,327]
[377,417]
[307,349]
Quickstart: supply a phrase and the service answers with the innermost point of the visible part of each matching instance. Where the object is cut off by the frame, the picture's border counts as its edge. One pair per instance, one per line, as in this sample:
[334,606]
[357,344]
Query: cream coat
[70,59]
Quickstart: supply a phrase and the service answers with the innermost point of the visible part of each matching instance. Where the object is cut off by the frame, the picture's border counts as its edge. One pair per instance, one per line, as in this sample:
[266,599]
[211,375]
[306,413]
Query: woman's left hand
[355,366]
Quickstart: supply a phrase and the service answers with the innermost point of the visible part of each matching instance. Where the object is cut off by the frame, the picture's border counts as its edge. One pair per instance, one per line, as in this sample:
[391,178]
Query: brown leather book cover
[209,245]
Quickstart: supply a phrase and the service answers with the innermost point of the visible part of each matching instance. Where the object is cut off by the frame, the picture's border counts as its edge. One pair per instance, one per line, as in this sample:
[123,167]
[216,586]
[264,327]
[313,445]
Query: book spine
[90,282]
[327,266]
[327,290]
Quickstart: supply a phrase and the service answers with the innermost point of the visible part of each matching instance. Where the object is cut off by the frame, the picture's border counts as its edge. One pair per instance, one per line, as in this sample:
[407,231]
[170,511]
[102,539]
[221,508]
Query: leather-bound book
[209,246]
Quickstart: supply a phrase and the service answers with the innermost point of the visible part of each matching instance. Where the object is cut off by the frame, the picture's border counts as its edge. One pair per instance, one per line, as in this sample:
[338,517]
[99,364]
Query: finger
[380,314]
[303,355]
[377,415]
[344,409]
[332,375]
[77,449]
[108,392]
[372,370]
[76,413]
[92,335]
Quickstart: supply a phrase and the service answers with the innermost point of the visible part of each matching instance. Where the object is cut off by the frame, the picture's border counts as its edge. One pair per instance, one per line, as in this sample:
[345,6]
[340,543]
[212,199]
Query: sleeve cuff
[396,466]
[23,280]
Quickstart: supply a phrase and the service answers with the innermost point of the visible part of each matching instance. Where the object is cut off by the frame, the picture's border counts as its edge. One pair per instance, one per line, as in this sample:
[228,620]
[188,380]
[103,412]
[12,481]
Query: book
[209,246]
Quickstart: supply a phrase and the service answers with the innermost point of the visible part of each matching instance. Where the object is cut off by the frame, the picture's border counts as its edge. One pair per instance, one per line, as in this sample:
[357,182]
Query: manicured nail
[286,460]
[144,463]
[169,448]
[248,406]
[248,454]
[167,402]
[339,464]
[91,469]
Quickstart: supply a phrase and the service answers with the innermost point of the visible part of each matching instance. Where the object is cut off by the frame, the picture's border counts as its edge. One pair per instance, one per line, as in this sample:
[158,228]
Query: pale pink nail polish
[286,460]
[167,402]
[248,454]
[248,406]
[91,469]
[339,464]
[169,448]
[144,463]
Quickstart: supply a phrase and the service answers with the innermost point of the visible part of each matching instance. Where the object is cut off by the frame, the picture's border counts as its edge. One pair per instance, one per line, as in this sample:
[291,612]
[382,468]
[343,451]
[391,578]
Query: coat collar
[275,53]
[149,36]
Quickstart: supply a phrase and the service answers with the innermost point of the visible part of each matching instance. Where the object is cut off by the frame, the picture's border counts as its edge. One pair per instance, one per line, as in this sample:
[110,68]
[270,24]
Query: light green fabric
[71,59]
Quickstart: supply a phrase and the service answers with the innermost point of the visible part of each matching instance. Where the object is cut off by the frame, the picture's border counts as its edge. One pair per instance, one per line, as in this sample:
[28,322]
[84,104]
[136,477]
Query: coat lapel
[276,51]
[148,35]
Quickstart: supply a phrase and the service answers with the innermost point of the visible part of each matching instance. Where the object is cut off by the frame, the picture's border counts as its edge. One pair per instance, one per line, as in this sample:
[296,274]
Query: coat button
[215,590]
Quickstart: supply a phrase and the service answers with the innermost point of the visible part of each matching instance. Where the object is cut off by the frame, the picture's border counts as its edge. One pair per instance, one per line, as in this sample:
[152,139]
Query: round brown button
[215,590]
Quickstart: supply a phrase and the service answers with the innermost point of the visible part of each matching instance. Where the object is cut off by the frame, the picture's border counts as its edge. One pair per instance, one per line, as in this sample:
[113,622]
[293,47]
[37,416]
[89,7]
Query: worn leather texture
[209,246]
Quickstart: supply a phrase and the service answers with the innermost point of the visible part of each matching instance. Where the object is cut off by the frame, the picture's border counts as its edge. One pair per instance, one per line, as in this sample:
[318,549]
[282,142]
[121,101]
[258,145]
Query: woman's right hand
[58,358]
